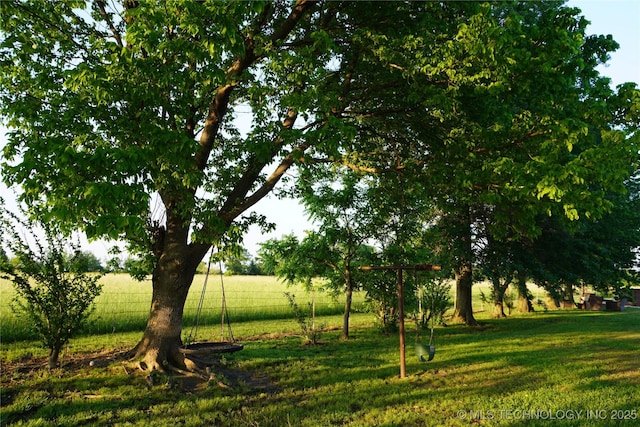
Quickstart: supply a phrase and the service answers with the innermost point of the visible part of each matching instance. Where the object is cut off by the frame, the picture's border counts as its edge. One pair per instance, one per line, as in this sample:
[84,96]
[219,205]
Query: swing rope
[208,348]
[421,350]
[225,313]
[193,334]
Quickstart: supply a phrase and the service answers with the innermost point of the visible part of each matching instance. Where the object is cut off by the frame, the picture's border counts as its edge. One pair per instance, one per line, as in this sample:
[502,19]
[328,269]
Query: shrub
[56,298]
[309,331]
[434,299]
[382,299]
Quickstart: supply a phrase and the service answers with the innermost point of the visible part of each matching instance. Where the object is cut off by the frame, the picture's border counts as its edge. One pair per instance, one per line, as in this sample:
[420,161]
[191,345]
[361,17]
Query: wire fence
[124,304]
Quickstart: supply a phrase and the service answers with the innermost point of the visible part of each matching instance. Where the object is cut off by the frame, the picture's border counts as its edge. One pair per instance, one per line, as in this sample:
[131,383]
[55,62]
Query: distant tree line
[77,261]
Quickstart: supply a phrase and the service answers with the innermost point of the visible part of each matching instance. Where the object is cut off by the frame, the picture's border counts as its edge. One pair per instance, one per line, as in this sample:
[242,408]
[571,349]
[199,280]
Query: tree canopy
[124,120]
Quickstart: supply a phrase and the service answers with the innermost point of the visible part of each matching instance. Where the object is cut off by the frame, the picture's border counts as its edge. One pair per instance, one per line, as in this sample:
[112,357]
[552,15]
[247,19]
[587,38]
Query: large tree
[533,129]
[123,118]
[116,111]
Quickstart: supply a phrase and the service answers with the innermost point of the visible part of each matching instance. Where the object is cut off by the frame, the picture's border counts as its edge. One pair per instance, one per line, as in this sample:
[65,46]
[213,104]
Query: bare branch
[105,15]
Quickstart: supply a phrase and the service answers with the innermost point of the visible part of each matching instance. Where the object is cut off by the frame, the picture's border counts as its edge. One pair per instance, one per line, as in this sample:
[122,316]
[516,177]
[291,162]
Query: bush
[56,298]
[382,299]
[434,299]
[309,331]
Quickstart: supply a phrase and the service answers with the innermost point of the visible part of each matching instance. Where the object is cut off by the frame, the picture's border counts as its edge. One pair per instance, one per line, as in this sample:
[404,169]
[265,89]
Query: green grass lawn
[567,368]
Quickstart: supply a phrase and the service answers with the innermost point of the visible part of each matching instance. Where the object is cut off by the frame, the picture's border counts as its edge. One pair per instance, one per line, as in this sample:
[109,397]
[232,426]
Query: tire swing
[428,352]
[211,347]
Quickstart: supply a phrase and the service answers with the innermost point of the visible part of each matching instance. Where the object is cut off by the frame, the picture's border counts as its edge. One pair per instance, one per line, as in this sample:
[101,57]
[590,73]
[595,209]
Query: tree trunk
[497,292]
[159,348]
[524,304]
[498,310]
[162,337]
[463,310]
[567,298]
[347,305]
[54,354]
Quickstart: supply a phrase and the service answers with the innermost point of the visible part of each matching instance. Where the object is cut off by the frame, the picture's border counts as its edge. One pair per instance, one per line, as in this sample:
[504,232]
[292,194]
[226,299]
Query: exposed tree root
[175,367]
[182,365]
[186,367]
[201,374]
[467,320]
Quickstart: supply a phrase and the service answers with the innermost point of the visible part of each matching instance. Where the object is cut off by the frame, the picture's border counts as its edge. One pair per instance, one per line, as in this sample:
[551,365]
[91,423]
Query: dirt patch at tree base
[68,362]
[220,374]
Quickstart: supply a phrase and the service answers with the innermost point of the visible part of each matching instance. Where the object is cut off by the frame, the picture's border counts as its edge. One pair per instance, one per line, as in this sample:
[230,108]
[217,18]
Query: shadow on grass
[555,361]
[536,360]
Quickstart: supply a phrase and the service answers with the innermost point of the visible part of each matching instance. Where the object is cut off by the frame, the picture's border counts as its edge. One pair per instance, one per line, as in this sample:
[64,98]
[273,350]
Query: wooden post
[403,360]
[399,269]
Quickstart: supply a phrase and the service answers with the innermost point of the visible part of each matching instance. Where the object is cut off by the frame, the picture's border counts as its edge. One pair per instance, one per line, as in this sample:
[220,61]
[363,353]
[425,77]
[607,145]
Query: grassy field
[567,368]
[124,303]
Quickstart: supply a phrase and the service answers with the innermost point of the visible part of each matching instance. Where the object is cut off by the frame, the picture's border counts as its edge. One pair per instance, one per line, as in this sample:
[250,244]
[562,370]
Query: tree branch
[237,202]
[269,183]
[360,168]
[220,103]
[509,144]
[105,15]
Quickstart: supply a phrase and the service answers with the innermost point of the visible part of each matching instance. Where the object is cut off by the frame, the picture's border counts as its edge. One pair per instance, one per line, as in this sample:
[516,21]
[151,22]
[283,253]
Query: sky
[620,18]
